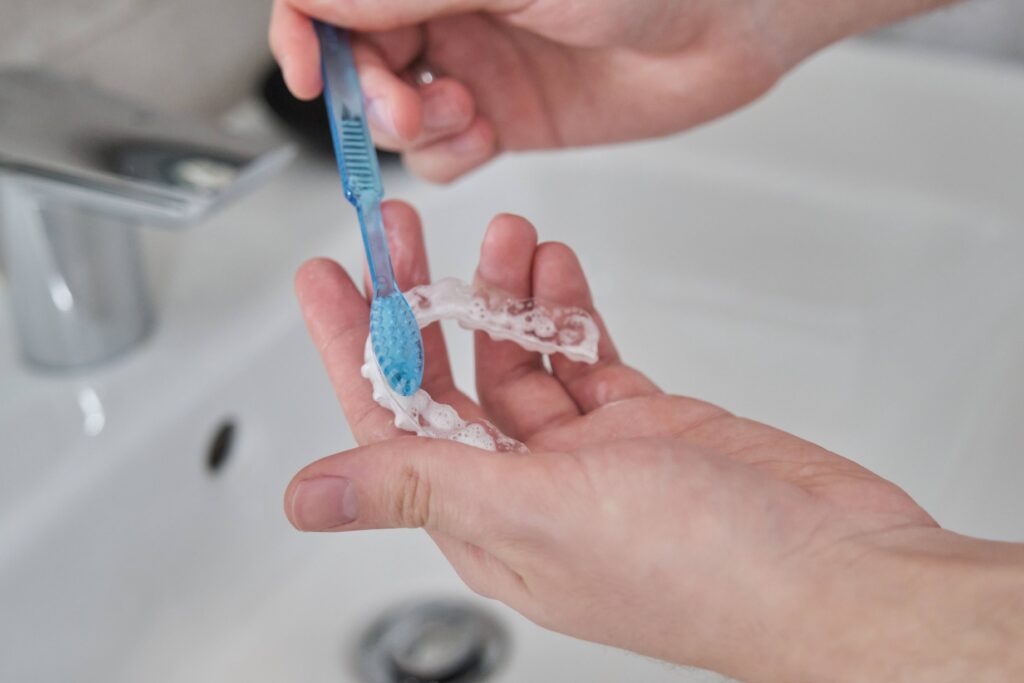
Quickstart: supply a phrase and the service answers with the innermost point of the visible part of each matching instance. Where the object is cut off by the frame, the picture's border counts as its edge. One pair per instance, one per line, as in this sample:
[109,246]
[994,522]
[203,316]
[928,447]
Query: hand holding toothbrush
[651,522]
[452,83]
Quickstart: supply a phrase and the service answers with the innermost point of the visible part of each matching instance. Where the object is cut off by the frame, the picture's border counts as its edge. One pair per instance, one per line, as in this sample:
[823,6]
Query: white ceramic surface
[840,260]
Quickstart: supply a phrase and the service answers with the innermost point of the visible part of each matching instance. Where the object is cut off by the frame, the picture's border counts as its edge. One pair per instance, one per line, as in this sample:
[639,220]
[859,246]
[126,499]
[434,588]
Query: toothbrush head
[397,343]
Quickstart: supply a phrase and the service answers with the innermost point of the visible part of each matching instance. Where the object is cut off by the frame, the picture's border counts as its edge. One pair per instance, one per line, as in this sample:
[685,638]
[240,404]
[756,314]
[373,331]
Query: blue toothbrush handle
[382,275]
[357,158]
[353,146]
[340,68]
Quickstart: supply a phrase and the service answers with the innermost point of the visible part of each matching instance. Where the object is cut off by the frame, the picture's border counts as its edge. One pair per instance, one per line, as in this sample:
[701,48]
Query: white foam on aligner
[534,325]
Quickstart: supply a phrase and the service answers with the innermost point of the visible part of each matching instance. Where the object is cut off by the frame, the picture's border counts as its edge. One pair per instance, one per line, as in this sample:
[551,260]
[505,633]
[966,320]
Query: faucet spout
[80,172]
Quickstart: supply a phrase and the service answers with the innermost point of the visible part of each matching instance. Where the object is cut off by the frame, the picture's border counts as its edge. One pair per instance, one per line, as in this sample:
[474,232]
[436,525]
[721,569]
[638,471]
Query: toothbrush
[394,333]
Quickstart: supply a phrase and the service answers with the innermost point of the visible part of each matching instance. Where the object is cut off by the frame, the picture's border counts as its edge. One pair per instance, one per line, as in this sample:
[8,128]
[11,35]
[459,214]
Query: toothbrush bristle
[397,343]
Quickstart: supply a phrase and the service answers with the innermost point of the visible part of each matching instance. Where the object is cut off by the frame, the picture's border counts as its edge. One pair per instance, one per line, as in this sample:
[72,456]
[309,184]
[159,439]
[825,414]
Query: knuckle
[412,504]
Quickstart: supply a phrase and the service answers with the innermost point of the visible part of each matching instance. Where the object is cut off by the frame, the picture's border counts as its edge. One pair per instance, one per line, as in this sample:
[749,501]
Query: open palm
[658,523]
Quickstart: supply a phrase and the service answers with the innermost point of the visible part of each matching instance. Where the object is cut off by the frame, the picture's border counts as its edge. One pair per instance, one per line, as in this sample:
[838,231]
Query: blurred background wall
[191,55]
[986,28]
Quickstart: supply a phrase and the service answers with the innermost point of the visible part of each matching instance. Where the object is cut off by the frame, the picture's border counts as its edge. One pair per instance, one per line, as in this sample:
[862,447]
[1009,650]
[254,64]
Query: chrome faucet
[80,171]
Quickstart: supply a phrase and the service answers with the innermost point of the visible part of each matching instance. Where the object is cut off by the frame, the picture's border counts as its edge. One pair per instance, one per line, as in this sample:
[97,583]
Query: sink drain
[439,641]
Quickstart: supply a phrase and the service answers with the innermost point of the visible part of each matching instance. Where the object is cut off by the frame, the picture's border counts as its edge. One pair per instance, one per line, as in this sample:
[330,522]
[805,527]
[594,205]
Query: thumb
[412,482]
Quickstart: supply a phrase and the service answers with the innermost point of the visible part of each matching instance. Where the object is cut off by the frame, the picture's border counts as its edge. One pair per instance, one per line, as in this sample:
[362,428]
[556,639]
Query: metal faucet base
[79,293]
[80,171]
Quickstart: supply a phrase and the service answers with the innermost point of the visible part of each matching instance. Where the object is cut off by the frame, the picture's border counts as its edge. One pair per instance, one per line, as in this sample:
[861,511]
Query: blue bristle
[396,340]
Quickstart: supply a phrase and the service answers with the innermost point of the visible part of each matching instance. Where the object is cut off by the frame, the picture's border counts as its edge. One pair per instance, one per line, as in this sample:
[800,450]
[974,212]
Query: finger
[294,45]
[558,278]
[447,109]
[456,155]
[439,485]
[514,388]
[399,47]
[406,246]
[409,260]
[338,319]
[384,15]
[393,107]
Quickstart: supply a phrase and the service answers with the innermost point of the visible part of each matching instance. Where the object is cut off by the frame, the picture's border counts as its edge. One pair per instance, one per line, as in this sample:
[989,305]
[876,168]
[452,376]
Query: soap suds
[533,324]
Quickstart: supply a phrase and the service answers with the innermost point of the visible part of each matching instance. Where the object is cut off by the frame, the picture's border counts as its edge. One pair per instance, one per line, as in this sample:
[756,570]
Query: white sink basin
[840,260]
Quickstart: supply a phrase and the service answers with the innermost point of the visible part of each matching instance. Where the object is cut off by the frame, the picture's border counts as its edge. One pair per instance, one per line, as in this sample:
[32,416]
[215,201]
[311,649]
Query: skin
[652,522]
[529,74]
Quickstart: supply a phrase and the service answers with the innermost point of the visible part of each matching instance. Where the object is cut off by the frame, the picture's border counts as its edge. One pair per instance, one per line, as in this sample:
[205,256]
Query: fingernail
[380,117]
[439,112]
[324,503]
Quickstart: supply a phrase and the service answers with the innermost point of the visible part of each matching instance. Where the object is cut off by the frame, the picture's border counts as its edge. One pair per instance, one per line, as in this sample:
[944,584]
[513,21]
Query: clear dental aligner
[533,324]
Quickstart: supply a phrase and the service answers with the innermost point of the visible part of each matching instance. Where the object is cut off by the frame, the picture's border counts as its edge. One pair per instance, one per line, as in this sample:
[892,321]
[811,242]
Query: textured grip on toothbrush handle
[353,146]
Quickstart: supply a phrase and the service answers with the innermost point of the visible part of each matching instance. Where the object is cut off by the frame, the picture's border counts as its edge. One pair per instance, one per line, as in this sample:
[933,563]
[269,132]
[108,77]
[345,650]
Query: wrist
[913,605]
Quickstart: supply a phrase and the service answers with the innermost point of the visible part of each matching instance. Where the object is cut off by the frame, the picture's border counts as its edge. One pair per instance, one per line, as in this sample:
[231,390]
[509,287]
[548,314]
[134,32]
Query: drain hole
[440,649]
[219,451]
[439,641]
